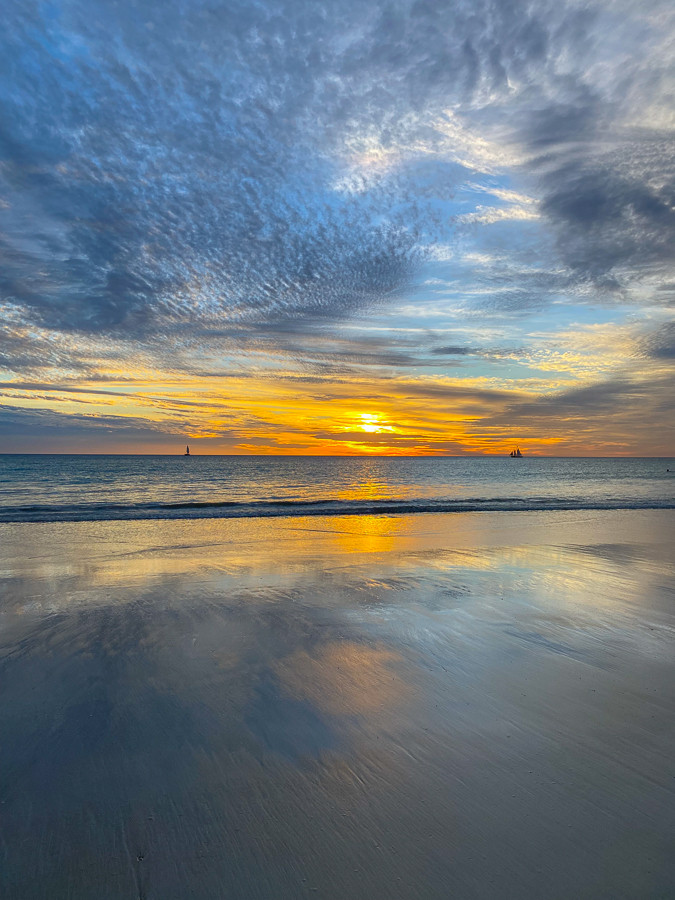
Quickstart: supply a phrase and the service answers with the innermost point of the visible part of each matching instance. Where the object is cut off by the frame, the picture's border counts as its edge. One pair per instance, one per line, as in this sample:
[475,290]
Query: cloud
[196,190]
[452,351]
[580,402]
[660,345]
[163,166]
[617,213]
[21,423]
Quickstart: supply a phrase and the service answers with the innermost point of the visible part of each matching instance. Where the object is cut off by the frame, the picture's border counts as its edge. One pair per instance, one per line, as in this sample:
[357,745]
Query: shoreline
[290,509]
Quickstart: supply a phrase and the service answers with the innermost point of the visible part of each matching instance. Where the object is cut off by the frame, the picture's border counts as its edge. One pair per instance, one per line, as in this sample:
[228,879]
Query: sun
[373,424]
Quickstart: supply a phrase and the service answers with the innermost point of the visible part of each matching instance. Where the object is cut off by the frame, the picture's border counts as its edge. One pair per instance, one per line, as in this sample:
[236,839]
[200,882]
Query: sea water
[53,488]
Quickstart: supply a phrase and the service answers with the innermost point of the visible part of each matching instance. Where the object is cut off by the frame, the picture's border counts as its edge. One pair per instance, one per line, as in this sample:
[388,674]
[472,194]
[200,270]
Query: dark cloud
[660,344]
[617,414]
[45,423]
[452,351]
[626,400]
[614,214]
[595,399]
[59,388]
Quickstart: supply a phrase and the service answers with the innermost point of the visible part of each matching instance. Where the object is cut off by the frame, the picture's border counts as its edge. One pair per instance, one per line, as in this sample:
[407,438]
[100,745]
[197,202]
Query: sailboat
[516,454]
[187,451]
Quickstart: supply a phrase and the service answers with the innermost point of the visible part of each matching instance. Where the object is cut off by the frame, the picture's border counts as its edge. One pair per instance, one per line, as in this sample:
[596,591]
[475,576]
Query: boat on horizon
[187,450]
[516,454]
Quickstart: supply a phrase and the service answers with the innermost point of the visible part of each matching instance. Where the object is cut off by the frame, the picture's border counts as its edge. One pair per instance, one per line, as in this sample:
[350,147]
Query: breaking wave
[88,512]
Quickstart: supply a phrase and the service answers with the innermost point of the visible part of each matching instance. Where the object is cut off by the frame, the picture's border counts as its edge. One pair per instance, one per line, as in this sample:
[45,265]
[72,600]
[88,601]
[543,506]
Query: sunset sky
[337,227]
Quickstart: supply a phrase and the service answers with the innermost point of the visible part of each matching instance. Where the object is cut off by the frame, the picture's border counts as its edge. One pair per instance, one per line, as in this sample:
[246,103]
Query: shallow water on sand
[469,705]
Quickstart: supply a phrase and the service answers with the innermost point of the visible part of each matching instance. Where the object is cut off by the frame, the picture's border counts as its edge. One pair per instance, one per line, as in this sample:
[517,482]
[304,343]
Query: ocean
[61,488]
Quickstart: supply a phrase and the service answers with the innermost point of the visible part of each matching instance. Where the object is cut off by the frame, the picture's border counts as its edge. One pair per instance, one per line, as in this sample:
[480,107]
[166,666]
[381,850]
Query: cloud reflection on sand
[345,678]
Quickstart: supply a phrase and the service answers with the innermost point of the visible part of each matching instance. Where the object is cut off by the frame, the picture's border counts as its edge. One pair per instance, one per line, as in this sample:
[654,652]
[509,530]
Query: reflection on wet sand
[470,705]
[369,534]
[344,679]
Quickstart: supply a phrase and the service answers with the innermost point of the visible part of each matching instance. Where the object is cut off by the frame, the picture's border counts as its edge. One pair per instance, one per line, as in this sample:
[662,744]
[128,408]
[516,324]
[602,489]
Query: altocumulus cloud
[233,164]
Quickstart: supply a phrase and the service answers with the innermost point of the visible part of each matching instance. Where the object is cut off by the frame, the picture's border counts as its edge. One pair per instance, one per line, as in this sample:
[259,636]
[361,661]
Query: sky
[337,227]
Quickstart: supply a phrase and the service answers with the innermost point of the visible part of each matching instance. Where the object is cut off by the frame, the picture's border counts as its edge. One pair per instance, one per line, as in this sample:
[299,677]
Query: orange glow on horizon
[279,413]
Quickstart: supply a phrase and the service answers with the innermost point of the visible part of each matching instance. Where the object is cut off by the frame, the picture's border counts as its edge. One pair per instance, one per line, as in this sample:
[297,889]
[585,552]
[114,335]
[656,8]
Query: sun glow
[373,424]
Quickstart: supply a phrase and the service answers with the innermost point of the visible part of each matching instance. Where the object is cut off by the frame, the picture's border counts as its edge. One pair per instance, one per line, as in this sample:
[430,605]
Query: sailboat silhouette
[187,451]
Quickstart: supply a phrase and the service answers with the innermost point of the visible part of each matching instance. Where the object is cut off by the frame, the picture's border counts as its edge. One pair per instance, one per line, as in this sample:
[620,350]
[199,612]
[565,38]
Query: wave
[101,512]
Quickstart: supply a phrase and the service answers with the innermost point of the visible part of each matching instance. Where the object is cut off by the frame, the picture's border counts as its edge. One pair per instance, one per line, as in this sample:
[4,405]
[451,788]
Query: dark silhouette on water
[516,454]
[187,450]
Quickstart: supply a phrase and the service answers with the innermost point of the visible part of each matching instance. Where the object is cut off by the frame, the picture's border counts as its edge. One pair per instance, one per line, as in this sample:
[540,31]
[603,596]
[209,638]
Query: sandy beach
[433,706]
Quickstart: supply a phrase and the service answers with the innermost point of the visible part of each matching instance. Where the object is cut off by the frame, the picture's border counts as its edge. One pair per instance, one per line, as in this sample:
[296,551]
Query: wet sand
[469,705]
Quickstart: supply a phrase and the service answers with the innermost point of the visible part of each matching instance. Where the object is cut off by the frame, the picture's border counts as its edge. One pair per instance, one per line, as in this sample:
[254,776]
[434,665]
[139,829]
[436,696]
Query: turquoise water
[37,488]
